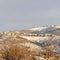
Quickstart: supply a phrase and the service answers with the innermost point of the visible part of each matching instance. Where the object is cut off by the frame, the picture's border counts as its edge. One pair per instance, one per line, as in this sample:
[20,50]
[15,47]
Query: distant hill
[48,30]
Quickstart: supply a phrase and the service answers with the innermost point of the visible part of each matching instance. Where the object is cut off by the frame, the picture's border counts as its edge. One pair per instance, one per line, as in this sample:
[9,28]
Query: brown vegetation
[17,53]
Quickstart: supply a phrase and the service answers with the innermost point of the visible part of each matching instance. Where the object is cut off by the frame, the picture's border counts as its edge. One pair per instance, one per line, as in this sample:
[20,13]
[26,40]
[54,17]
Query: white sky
[23,14]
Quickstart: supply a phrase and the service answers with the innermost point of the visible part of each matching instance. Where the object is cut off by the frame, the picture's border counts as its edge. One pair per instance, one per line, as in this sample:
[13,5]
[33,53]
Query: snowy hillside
[37,28]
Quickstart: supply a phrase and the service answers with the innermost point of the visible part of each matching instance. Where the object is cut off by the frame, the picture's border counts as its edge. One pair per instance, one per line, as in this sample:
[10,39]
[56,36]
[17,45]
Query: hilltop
[39,39]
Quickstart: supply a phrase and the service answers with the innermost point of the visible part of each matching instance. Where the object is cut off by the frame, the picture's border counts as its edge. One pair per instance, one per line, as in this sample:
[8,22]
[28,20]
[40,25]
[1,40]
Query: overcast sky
[24,14]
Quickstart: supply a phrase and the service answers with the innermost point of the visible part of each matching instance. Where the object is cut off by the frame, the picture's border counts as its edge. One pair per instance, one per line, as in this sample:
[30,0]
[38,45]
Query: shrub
[17,53]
